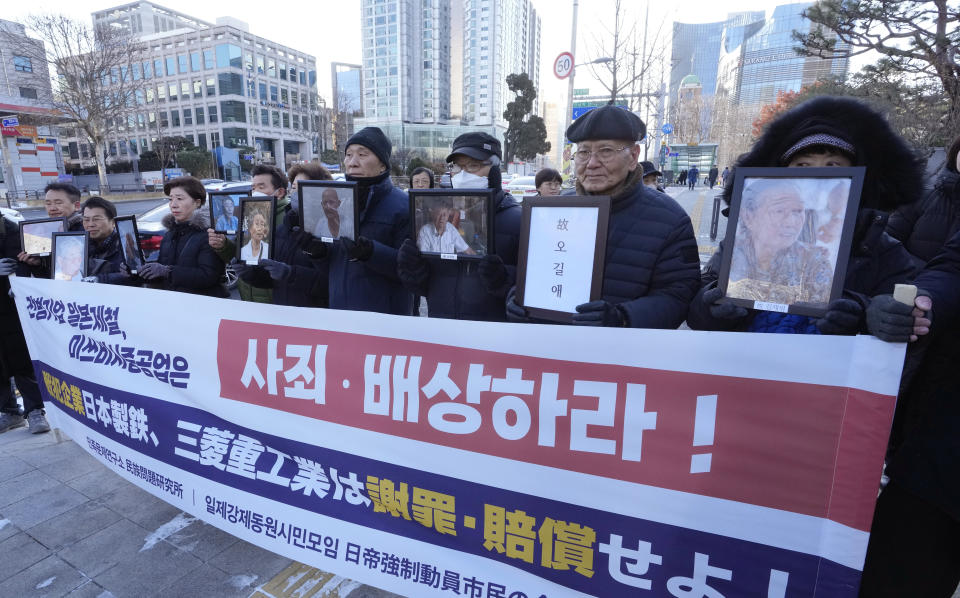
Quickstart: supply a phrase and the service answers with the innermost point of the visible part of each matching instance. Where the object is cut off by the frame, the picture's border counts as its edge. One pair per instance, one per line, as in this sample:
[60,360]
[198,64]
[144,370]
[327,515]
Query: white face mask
[466,180]
[259,194]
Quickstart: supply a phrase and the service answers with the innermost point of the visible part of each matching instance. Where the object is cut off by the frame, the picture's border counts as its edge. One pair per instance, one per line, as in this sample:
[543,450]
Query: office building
[28,156]
[215,84]
[347,83]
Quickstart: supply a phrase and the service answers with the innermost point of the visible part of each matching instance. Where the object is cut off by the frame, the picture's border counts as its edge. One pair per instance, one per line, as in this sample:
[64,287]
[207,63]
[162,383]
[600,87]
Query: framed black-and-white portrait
[69,256]
[452,223]
[256,229]
[225,211]
[36,236]
[563,243]
[788,237]
[329,210]
[130,247]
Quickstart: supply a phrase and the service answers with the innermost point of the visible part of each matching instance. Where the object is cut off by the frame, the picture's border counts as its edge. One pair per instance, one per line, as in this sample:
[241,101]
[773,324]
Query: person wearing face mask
[362,272]
[462,289]
[829,132]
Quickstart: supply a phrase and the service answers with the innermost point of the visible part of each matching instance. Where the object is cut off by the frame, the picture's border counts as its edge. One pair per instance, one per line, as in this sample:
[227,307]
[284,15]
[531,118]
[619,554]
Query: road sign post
[563,65]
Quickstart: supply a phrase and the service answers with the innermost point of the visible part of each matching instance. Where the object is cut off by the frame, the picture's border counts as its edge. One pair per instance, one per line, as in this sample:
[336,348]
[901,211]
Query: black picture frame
[813,187]
[309,198]
[556,203]
[136,260]
[28,223]
[59,252]
[260,204]
[480,244]
[215,206]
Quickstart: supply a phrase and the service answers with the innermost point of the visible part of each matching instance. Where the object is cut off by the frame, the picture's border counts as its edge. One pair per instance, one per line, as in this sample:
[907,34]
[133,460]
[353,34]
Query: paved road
[124,208]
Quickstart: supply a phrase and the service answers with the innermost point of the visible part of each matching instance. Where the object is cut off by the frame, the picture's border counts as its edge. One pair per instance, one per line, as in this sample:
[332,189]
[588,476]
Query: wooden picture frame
[320,221]
[35,246]
[788,238]
[220,222]
[560,227]
[251,208]
[69,256]
[130,247]
[468,220]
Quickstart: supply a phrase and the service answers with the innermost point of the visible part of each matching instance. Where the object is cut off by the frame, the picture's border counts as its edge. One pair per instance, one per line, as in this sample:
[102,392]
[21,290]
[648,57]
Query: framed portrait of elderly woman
[69,256]
[788,237]
[36,236]
[225,211]
[329,210]
[130,242]
[452,224]
[256,229]
[563,244]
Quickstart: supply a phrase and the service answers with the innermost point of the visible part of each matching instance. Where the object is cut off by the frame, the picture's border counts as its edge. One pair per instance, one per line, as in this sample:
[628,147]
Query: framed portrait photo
[563,244]
[36,236]
[256,229]
[329,210]
[788,237]
[452,224]
[129,242]
[225,211]
[69,261]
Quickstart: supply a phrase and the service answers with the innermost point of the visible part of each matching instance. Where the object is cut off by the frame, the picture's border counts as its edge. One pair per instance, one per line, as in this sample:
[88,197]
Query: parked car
[339,176]
[227,186]
[522,186]
[150,228]
[11,214]
[211,181]
[444,182]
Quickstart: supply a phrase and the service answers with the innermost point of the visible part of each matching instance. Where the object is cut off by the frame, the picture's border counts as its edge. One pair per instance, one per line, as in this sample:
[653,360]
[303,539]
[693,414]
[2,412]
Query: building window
[215,139]
[173,92]
[195,61]
[286,120]
[22,64]
[211,86]
[232,111]
[175,118]
[171,66]
[187,117]
[263,91]
[208,59]
[264,117]
[229,55]
[212,113]
[230,84]
[235,137]
[275,120]
[182,62]
[198,88]
[202,140]
[28,92]
[273,93]
[199,115]
[164,123]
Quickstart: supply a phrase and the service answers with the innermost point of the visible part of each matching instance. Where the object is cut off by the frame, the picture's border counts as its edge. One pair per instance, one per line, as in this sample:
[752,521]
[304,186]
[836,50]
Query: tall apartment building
[28,160]
[347,86]
[500,37]
[434,69]
[216,84]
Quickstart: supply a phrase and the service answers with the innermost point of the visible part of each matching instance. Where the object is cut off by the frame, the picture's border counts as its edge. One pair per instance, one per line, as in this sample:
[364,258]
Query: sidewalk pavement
[70,527]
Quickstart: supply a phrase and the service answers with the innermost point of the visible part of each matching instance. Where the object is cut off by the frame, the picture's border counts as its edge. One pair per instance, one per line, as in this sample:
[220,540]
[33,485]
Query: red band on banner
[719,436]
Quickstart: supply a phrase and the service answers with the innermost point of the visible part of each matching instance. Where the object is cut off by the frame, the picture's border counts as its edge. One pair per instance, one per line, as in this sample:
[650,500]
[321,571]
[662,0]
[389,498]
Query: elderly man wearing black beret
[652,262]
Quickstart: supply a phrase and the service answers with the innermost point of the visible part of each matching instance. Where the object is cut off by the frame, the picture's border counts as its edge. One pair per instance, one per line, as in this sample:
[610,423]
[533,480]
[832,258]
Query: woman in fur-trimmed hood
[187,263]
[829,131]
[894,171]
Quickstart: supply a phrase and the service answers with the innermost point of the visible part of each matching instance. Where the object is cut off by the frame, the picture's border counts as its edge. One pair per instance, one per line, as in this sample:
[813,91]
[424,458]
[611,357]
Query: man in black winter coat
[14,357]
[462,289]
[105,262]
[652,265]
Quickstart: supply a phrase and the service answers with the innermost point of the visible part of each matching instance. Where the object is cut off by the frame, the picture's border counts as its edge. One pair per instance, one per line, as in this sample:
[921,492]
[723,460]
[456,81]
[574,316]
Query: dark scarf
[364,184]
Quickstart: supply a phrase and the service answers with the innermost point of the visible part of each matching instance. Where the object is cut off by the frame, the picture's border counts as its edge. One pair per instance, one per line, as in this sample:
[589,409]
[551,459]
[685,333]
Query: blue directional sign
[11,121]
[674,154]
[667,129]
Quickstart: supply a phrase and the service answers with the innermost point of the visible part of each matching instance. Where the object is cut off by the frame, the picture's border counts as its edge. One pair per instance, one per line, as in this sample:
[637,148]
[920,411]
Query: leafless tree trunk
[97,74]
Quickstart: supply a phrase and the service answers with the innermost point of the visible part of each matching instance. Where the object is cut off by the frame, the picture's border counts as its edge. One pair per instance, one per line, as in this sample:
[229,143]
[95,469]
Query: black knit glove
[722,311]
[515,313]
[493,272]
[843,317]
[360,250]
[598,313]
[412,269]
[890,320]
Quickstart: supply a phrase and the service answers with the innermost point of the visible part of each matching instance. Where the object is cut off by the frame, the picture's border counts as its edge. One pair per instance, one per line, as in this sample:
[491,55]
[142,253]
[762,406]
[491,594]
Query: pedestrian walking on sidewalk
[692,175]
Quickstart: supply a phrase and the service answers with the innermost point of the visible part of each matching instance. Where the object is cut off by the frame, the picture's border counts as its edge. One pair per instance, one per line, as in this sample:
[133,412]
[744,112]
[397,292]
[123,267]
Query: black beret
[607,122]
[479,146]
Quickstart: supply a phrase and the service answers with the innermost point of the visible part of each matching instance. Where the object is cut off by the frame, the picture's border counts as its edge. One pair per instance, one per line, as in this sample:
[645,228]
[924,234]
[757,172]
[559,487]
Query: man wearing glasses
[652,266]
[106,257]
[460,289]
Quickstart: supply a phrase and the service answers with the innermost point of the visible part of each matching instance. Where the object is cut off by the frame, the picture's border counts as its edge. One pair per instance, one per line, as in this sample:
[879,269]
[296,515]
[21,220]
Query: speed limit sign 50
[563,65]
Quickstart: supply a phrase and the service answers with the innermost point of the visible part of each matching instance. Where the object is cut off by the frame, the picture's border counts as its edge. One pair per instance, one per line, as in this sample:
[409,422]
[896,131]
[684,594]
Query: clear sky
[330,29]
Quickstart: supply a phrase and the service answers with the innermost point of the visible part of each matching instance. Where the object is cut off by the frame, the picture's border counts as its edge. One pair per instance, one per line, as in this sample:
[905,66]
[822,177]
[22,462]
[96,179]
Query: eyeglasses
[604,154]
[471,167]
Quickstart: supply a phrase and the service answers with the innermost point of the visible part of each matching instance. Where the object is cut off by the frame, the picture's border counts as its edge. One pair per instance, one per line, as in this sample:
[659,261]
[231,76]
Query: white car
[11,214]
[522,186]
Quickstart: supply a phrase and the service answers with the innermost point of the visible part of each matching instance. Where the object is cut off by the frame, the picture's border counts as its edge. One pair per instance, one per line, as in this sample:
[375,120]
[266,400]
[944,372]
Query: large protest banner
[445,458]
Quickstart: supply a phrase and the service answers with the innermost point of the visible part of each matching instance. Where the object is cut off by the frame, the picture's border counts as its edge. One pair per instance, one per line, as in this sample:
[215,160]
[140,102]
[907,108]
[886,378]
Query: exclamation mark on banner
[703,428]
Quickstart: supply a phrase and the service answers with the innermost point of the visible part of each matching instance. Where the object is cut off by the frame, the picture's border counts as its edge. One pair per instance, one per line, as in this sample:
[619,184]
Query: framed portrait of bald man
[329,210]
[788,237]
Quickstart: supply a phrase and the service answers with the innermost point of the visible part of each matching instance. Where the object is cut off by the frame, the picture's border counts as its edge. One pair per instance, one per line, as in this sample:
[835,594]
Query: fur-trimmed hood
[895,172]
[200,220]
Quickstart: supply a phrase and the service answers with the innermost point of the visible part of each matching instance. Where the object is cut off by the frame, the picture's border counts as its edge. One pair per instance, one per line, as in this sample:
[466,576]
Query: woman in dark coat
[187,263]
[829,131]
